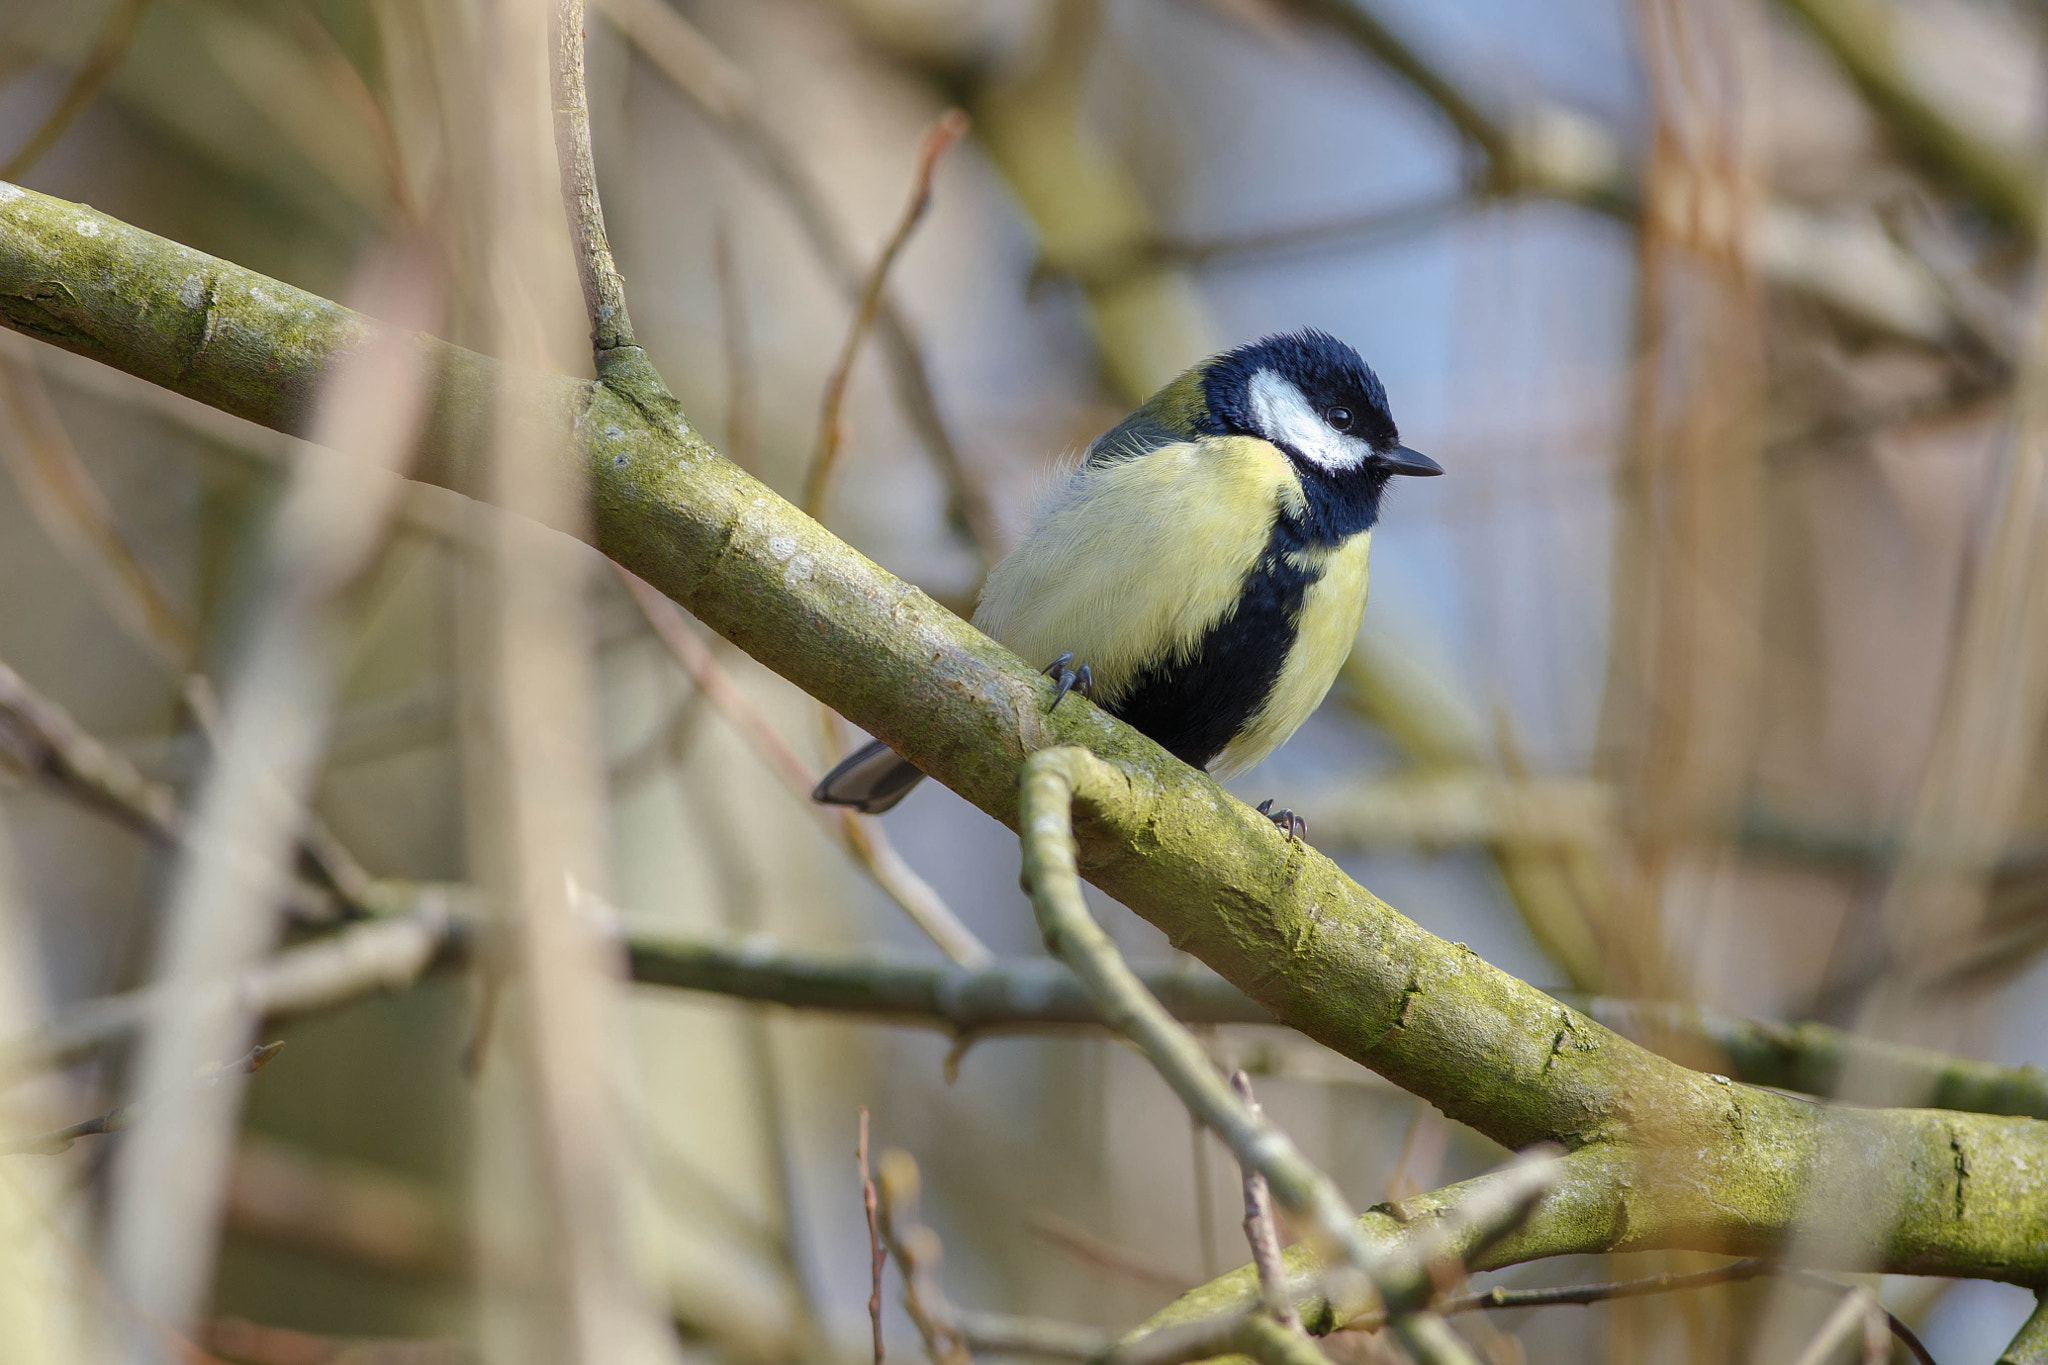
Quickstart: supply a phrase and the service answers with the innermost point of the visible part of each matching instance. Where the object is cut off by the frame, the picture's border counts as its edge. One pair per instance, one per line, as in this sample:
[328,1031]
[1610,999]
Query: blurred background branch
[114,1120]
[724,94]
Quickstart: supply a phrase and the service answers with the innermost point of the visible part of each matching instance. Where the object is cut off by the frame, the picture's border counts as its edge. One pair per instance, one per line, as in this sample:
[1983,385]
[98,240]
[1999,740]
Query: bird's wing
[1167,418]
[1135,559]
[1133,438]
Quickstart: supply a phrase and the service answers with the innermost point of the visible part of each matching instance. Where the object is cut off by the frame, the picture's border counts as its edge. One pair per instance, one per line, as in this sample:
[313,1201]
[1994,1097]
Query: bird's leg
[1070,679]
[1287,820]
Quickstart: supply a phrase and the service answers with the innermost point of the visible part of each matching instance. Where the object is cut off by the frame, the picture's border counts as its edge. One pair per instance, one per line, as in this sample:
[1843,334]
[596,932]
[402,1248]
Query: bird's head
[1310,395]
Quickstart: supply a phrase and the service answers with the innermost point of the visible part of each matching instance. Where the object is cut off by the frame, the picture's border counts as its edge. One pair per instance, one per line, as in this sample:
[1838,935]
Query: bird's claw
[1291,824]
[1069,678]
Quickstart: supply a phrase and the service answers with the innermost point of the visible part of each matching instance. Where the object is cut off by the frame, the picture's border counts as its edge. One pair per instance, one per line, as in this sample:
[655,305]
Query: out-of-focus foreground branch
[1661,1156]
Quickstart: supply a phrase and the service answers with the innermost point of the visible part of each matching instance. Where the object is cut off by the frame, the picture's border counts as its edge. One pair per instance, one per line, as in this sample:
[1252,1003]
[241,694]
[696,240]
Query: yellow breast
[1330,614]
[1133,561]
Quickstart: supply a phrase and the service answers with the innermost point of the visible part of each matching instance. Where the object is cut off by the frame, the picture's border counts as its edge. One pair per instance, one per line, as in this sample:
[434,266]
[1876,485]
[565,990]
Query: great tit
[1206,560]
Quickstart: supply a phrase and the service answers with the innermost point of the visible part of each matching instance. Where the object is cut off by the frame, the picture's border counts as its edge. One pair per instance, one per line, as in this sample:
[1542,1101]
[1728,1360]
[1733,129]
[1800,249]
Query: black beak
[1402,460]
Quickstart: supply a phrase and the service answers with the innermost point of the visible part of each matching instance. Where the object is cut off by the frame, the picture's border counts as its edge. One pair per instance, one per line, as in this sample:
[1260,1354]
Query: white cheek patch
[1283,414]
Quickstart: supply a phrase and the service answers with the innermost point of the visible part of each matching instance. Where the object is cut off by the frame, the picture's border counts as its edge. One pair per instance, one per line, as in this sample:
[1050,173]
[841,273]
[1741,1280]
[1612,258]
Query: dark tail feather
[871,779]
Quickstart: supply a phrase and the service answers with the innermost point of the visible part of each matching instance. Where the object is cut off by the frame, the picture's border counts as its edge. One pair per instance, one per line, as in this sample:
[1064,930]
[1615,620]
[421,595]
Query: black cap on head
[1334,387]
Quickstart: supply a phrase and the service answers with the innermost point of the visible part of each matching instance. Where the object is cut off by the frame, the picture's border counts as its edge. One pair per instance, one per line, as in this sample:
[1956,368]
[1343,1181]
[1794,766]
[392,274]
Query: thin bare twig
[1259,1229]
[1413,1277]
[877,1258]
[382,955]
[668,742]
[861,837]
[742,419]
[428,925]
[604,293]
[422,924]
[1251,1334]
[318,845]
[57,487]
[1906,1336]
[724,94]
[115,36]
[718,687]
[315,975]
[1004,1334]
[1371,227]
[40,739]
[1501,1299]
[128,1115]
[947,129]
[864,837]
[318,38]
[58,490]
[1103,1255]
[918,1252]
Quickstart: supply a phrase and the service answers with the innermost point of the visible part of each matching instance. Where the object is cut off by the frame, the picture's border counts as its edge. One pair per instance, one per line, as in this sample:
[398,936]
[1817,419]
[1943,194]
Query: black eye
[1338,417]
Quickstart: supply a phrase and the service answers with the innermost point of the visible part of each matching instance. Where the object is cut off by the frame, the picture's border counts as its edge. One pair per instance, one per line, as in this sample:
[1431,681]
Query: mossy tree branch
[1664,1156]
[1054,779]
[1814,1058]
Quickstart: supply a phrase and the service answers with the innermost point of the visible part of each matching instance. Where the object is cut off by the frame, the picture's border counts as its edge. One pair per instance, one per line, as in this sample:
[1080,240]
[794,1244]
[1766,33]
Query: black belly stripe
[1194,707]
